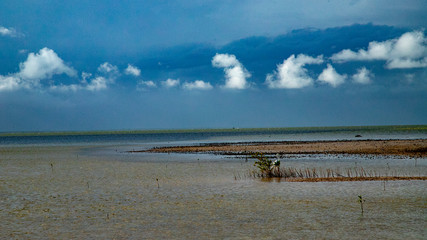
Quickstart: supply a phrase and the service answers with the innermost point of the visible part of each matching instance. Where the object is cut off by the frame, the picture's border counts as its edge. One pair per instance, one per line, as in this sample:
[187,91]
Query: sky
[189,64]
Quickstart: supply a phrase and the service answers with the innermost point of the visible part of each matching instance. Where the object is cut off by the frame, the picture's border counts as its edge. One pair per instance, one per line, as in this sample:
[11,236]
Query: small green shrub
[267,167]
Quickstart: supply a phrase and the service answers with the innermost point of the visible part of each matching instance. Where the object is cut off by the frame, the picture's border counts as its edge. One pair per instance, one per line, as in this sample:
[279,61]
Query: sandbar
[402,147]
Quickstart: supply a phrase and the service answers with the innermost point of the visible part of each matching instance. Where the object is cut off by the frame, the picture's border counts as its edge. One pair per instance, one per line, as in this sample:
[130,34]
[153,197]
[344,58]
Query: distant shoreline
[397,128]
[411,147]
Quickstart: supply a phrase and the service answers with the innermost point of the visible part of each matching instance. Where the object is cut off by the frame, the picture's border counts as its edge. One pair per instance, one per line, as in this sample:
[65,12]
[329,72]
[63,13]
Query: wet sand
[411,148]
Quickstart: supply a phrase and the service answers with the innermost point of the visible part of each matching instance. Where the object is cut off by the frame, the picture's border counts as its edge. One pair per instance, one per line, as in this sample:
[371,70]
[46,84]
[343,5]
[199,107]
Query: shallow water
[220,135]
[84,190]
[195,197]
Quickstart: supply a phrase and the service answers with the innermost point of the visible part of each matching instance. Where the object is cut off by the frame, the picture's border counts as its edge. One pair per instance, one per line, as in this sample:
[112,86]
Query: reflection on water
[85,192]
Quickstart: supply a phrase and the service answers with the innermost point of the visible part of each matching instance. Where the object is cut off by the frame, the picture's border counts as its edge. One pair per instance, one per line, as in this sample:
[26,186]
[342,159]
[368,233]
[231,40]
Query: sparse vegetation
[361,200]
[268,168]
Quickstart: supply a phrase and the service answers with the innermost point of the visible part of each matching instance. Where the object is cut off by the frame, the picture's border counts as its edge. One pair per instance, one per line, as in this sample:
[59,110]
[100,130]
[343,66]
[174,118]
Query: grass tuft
[268,169]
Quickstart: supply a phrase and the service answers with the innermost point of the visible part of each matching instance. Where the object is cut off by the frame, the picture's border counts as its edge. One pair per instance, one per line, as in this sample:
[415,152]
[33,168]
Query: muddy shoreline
[410,148]
[348,179]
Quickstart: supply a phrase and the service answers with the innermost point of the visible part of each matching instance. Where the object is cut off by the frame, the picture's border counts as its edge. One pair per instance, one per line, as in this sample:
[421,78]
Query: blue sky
[112,65]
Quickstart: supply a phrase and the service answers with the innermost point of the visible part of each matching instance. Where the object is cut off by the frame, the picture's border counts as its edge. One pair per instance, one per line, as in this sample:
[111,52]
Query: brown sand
[412,148]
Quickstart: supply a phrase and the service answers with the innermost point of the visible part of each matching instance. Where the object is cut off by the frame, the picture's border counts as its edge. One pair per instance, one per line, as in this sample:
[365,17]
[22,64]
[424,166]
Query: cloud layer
[235,72]
[46,70]
[407,51]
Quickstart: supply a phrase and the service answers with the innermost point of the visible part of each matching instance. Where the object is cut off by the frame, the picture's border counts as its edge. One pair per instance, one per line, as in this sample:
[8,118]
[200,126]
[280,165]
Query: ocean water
[79,186]
[214,135]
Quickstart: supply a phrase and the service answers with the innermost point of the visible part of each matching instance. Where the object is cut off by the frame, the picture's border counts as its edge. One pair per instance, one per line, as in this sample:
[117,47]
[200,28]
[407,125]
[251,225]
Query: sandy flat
[414,148]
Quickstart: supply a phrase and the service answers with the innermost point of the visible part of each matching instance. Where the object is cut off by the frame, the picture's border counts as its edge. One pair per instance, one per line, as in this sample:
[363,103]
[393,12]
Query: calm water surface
[88,186]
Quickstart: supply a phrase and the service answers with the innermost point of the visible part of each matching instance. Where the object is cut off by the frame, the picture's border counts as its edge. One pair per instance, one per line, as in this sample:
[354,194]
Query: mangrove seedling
[267,167]
[361,200]
[263,163]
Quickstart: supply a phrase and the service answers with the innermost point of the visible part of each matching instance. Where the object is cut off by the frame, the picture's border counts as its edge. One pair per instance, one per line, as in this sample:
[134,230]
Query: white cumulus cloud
[330,76]
[407,51]
[8,83]
[11,32]
[96,84]
[235,72]
[38,66]
[147,83]
[291,73]
[144,85]
[87,83]
[407,63]
[108,68]
[363,76]
[224,60]
[44,64]
[132,70]
[170,83]
[198,84]
[109,74]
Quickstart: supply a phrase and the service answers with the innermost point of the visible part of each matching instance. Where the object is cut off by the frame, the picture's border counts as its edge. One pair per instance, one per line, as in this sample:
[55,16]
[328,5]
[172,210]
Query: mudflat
[93,191]
[412,147]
